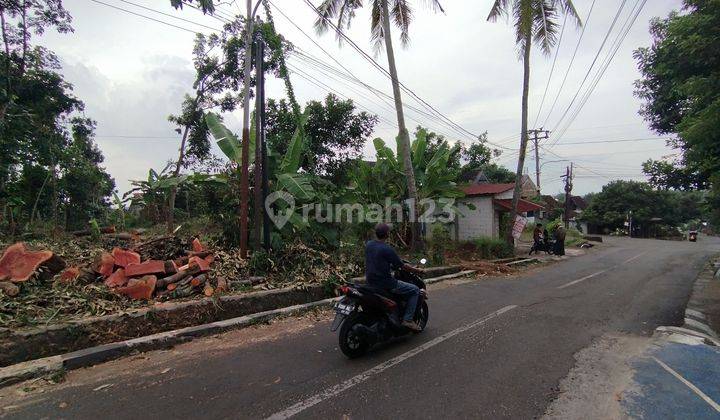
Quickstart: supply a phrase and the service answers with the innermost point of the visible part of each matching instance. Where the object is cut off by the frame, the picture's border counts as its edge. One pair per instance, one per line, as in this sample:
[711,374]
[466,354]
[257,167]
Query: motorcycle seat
[378,291]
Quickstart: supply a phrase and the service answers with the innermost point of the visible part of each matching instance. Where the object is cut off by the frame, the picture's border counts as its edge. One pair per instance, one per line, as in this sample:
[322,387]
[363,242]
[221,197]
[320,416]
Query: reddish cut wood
[141,289]
[201,263]
[117,279]
[17,264]
[124,257]
[197,246]
[145,268]
[70,275]
[104,264]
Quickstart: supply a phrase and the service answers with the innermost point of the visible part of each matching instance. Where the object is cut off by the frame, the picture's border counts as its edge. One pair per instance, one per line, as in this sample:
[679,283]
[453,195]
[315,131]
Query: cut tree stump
[197,246]
[199,262]
[17,264]
[139,289]
[124,257]
[104,264]
[145,268]
[208,290]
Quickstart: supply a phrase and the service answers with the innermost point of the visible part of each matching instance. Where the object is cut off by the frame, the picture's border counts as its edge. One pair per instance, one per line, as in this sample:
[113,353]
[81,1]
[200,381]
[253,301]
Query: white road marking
[602,271]
[584,278]
[635,257]
[689,384]
[364,376]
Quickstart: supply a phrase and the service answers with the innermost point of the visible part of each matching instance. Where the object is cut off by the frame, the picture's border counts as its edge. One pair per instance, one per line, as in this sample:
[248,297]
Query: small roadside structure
[482,210]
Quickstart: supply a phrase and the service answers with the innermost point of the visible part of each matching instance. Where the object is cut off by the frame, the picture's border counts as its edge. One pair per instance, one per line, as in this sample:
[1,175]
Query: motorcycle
[692,236]
[367,316]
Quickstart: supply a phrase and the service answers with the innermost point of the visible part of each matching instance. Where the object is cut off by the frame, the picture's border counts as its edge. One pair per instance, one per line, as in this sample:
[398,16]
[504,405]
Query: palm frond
[402,15]
[545,33]
[377,33]
[499,9]
[568,8]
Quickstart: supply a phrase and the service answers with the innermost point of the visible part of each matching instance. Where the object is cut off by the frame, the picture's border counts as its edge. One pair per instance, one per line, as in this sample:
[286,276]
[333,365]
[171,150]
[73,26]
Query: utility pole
[568,190]
[258,197]
[537,136]
[245,155]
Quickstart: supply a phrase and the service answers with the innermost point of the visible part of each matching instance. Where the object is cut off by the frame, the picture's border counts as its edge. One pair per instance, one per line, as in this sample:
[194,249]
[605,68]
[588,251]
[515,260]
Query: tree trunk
[523,137]
[37,199]
[403,139]
[176,173]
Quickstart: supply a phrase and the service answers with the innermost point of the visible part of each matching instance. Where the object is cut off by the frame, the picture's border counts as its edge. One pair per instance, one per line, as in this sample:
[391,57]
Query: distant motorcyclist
[380,260]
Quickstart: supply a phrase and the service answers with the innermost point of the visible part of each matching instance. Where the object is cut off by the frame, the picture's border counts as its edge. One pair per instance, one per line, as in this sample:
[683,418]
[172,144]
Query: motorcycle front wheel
[423,315]
[351,343]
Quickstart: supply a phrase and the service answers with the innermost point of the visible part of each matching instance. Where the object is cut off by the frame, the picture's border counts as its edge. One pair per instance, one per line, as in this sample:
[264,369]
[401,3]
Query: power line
[146,17]
[589,70]
[552,69]
[169,15]
[572,60]
[387,73]
[612,141]
[629,22]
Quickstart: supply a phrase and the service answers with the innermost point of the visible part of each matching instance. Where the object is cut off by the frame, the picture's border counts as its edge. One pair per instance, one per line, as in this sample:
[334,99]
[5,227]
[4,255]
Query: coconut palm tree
[534,21]
[383,14]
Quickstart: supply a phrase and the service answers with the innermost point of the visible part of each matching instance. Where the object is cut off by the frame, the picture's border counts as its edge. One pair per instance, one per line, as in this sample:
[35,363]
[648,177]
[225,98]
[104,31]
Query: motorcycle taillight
[344,290]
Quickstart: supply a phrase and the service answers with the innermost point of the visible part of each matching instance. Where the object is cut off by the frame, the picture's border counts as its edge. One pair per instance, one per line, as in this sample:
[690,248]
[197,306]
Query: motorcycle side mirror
[423,261]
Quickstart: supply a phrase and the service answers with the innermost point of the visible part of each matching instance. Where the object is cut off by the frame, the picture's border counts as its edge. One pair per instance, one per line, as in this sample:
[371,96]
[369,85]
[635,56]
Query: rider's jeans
[410,293]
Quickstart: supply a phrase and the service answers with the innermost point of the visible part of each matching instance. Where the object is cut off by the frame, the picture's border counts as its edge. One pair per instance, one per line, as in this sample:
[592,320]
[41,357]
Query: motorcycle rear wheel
[351,344]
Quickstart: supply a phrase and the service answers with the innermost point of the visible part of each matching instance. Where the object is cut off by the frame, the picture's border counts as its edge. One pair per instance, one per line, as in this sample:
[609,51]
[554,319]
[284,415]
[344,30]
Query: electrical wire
[146,17]
[552,69]
[169,15]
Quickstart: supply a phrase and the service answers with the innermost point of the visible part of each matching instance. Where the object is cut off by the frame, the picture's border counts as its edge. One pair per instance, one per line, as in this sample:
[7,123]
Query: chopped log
[222,285]
[124,257]
[10,289]
[181,261]
[208,290]
[117,279]
[150,267]
[182,292]
[180,275]
[197,261]
[104,264]
[210,259]
[170,267]
[140,289]
[201,254]
[17,264]
[122,235]
[199,280]
[70,275]
[88,232]
[171,286]
[197,246]
[250,281]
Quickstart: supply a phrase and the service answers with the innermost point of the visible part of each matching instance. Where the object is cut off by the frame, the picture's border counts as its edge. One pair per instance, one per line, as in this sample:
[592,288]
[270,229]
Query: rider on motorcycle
[380,260]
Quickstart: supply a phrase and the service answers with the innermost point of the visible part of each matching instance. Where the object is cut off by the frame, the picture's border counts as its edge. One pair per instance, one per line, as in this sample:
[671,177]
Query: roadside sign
[518,227]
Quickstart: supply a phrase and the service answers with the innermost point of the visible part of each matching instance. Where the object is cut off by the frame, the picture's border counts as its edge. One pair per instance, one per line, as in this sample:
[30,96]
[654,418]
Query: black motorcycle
[367,315]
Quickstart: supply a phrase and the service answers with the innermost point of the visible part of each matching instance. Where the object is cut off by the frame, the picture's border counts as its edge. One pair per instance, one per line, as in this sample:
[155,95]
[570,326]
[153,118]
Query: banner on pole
[518,226]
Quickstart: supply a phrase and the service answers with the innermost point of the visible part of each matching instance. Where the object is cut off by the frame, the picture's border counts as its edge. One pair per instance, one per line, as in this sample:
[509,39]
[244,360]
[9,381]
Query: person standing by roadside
[560,233]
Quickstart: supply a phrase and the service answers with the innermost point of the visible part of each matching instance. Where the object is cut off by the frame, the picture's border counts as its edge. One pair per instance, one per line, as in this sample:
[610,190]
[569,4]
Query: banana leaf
[291,160]
[296,184]
[227,141]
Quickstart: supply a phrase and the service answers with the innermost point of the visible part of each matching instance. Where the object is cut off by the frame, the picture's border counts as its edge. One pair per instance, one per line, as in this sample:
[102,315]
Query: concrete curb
[94,355]
[695,328]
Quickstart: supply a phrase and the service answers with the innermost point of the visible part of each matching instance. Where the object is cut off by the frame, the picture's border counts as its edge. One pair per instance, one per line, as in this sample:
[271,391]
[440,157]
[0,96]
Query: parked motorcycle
[692,236]
[368,316]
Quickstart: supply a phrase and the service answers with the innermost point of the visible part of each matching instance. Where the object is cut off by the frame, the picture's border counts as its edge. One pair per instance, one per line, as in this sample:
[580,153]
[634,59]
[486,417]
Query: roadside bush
[490,248]
[438,243]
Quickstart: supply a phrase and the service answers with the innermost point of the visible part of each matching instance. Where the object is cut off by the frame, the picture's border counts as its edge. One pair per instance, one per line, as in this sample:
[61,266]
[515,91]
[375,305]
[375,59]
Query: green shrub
[490,248]
[438,244]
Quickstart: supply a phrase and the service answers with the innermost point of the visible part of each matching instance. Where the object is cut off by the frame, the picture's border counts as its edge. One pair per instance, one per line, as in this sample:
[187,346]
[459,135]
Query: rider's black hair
[382,230]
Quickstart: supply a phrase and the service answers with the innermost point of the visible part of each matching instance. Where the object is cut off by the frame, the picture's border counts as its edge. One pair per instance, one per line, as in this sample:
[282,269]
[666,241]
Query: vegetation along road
[495,347]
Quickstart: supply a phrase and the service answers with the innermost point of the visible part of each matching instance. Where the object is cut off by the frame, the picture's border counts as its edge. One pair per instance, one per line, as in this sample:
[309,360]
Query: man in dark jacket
[560,240]
[537,239]
[380,260]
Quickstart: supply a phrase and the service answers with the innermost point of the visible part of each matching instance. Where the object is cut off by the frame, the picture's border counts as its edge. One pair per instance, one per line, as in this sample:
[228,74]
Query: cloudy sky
[132,72]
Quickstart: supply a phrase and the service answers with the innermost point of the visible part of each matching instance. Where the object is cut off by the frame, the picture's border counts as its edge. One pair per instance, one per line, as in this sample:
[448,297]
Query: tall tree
[534,21]
[335,134]
[680,87]
[383,14]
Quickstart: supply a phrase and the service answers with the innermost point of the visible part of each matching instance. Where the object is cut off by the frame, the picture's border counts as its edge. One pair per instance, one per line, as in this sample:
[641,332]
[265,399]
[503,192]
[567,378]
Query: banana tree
[283,171]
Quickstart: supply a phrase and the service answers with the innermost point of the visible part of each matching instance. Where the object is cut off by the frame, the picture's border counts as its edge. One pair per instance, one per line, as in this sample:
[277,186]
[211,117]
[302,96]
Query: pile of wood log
[122,270]
[125,273]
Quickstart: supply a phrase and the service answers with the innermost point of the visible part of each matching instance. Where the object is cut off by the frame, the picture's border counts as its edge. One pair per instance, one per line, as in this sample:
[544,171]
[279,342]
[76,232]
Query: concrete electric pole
[537,135]
[568,190]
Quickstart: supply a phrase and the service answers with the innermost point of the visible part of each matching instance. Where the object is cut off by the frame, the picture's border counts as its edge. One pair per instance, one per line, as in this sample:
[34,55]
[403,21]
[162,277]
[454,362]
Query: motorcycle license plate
[344,308]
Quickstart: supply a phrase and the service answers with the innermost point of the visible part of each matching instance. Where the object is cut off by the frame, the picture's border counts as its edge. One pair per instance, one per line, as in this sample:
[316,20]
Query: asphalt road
[494,348]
